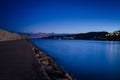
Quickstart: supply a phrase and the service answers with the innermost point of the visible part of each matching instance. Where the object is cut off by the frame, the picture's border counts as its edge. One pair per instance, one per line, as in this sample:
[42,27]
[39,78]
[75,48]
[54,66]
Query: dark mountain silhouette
[114,36]
[89,35]
[85,36]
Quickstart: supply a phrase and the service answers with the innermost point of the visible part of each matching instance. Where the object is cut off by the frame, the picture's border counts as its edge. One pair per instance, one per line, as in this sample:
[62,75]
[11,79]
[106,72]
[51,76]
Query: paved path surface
[18,62]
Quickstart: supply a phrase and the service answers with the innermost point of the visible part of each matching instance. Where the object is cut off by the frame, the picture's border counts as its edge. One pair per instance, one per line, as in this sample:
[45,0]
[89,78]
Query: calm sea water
[86,60]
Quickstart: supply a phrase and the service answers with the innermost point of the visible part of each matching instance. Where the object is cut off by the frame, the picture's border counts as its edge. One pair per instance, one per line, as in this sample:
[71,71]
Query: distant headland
[113,36]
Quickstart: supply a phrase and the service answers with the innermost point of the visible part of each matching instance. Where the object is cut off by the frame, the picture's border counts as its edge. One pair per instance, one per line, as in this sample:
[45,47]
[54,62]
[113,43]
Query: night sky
[60,16]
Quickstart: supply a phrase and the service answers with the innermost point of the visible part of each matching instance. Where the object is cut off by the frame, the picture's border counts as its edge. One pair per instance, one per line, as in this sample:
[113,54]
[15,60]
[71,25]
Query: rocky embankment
[54,71]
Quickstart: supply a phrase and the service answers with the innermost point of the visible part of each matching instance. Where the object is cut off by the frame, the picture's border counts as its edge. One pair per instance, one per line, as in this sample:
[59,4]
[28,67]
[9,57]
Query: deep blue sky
[60,16]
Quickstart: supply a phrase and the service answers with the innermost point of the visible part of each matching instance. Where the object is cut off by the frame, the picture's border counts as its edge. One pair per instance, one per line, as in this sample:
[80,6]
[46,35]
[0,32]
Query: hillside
[5,35]
[114,36]
[85,36]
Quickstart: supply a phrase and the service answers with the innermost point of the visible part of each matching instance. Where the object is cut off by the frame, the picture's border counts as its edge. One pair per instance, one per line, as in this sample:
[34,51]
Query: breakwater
[54,71]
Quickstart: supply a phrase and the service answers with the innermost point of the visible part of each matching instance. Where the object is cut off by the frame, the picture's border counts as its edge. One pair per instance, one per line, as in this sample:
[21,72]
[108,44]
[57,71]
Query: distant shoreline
[75,39]
[103,36]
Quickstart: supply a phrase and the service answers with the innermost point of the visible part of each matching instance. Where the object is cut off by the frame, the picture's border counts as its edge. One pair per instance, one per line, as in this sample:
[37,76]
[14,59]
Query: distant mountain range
[114,36]
[40,35]
[36,35]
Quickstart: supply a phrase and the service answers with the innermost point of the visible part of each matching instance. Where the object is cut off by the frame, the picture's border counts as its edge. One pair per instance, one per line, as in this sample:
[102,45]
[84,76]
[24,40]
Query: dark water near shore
[86,60]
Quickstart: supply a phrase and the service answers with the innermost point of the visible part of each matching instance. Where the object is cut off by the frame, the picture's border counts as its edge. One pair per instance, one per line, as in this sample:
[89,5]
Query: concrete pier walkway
[18,62]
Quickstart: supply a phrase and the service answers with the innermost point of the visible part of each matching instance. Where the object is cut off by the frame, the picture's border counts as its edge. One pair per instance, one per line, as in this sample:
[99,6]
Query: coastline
[27,60]
[53,70]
